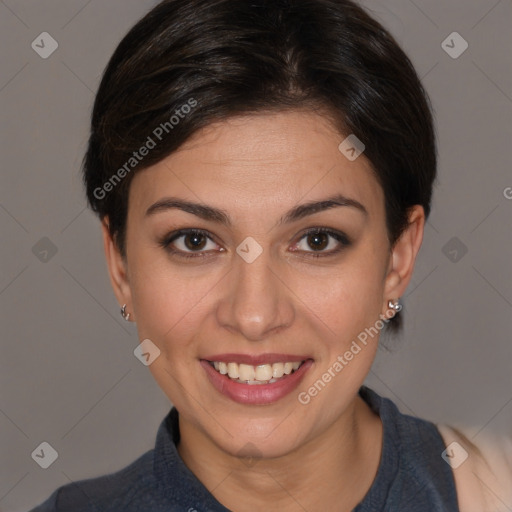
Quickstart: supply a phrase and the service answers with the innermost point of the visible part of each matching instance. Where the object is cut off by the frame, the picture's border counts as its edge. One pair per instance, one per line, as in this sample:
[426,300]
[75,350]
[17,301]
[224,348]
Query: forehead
[265,162]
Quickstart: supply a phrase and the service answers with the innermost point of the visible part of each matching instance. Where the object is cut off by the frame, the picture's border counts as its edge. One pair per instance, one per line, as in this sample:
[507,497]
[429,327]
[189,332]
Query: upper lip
[256,360]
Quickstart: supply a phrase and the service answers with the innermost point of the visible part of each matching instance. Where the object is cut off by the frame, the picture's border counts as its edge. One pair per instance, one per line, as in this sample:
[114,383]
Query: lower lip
[256,394]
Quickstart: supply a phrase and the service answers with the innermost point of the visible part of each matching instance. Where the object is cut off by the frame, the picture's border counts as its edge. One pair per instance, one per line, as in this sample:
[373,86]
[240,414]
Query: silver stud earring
[124,314]
[395,305]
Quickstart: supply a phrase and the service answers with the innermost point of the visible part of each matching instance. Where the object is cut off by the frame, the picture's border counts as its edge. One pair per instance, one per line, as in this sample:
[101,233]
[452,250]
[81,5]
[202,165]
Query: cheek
[168,305]
[173,305]
[346,299]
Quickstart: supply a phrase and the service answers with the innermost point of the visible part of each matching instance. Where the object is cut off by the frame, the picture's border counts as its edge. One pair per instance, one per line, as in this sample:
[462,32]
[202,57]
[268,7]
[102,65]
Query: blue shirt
[412,476]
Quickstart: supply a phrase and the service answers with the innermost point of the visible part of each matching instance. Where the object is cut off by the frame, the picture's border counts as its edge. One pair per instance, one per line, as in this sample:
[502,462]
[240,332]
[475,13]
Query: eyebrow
[213,214]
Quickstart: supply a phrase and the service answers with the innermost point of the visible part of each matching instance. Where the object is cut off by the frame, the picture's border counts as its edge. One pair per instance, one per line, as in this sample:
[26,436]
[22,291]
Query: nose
[256,302]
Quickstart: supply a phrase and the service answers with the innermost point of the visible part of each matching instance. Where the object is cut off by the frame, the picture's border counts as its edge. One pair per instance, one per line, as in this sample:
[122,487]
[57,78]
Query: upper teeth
[262,372]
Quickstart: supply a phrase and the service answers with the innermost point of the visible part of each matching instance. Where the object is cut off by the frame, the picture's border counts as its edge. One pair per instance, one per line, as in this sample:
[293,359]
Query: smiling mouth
[254,375]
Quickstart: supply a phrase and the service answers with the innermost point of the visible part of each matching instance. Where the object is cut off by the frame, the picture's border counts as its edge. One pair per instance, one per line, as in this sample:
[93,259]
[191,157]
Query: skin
[256,168]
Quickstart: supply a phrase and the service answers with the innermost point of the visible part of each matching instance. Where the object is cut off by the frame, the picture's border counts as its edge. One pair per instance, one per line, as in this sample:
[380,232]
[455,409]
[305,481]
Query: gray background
[68,373]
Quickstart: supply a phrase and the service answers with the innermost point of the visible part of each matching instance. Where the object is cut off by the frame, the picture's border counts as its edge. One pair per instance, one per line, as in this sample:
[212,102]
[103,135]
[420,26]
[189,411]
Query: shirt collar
[182,487]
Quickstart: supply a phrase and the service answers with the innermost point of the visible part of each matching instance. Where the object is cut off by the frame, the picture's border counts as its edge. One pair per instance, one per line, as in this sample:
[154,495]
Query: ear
[403,256]
[117,269]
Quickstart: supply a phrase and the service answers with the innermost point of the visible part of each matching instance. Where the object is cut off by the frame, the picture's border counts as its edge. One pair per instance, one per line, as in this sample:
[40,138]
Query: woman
[263,171]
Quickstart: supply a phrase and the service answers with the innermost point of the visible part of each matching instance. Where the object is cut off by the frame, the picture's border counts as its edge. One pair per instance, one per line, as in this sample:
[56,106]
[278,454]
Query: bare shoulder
[482,469]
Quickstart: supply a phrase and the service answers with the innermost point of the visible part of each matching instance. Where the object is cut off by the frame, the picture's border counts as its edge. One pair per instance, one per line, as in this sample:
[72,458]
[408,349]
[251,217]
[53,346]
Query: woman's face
[251,286]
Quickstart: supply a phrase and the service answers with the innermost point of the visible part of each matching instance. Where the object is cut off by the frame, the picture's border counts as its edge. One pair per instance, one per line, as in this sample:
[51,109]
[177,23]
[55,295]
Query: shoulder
[482,470]
[416,443]
[413,474]
[125,489]
[423,476]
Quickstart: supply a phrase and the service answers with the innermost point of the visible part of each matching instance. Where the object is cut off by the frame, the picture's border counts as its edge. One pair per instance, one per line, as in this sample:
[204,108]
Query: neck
[338,466]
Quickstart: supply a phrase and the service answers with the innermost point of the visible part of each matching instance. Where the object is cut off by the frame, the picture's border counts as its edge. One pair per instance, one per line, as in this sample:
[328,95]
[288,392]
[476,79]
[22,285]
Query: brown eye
[190,243]
[318,241]
[321,242]
[194,241]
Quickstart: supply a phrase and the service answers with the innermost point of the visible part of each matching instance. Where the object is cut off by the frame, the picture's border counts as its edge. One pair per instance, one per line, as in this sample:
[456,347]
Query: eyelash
[166,242]
[169,239]
[340,237]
